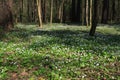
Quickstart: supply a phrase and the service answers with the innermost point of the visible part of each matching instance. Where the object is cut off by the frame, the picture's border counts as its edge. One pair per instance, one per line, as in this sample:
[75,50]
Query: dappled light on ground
[60,52]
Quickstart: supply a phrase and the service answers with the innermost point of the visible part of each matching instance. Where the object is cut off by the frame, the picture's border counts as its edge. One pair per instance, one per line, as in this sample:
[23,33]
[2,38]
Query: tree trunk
[87,12]
[83,11]
[51,12]
[94,18]
[78,11]
[73,11]
[112,11]
[28,11]
[105,11]
[39,12]
[21,11]
[91,7]
[60,15]
[45,11]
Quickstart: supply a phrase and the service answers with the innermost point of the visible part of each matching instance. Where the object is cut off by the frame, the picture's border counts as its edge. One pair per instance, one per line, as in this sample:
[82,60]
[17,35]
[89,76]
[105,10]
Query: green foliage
[59,53]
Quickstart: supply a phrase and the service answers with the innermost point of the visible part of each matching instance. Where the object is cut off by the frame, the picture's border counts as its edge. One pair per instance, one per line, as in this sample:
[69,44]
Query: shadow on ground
[79,39]
[70,38]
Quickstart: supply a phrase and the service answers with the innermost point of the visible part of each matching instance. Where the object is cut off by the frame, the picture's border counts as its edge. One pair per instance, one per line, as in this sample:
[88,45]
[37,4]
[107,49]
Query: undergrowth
[60,52]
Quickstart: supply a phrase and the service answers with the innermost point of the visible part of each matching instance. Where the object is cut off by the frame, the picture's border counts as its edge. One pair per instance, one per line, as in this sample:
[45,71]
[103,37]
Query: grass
[60,52]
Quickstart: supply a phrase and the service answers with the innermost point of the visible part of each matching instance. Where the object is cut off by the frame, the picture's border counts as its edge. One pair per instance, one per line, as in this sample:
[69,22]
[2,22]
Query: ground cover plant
[60,52]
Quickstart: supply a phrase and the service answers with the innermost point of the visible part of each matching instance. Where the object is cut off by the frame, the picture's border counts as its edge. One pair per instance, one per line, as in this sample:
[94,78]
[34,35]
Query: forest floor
[60,52]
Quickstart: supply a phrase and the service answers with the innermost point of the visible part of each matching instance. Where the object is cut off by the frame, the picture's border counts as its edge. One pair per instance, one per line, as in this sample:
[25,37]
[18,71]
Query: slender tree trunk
[16,14]
[64,13]
[39,12]
[91,7]
[45,11]
[28,11]
[99,11]
[78,11]
[34,11]
[94,16]
[118,10]
[112,12]
[105,11]
[87,12]
[73,11]
[21,11]
[83,11]
[60,15]
[51,12]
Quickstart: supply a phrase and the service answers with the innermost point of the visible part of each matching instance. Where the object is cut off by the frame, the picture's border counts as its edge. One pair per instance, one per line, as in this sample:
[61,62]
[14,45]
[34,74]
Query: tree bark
[51,12]
[87,12]
[105,12]
[39,12]
[91,7]
[94,18]
[60,16]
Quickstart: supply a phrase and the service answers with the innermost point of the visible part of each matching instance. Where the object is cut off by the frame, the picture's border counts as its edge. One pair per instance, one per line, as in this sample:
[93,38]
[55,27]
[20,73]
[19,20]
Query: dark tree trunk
[113,10]
[73,11]
[94,18]
[44,11]
[64,13]
[78,10]
[21,11]
[6,17]
[28,11]
[105,11]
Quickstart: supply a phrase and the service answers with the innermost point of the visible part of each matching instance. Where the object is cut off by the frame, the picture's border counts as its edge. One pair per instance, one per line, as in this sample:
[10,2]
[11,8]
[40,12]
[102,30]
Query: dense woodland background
[65,11]
[84,12]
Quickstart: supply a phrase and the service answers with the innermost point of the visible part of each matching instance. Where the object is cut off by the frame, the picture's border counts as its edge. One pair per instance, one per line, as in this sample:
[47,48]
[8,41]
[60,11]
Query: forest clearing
[59,39]
[60,52]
